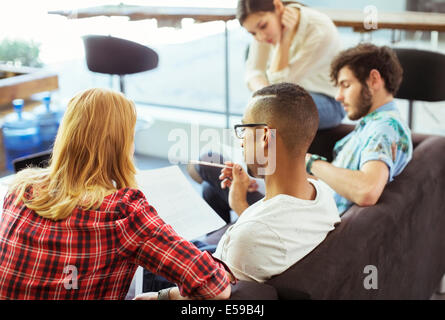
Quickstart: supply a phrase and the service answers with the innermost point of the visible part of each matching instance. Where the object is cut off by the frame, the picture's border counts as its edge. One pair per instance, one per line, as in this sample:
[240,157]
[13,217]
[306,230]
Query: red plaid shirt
[39,258]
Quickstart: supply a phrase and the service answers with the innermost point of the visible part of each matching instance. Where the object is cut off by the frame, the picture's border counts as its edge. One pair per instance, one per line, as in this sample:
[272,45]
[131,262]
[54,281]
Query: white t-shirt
[313,48]
[270,236]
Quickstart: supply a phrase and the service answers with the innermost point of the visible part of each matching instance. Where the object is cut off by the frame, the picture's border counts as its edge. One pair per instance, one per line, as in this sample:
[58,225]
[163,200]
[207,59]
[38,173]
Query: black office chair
[115,56]
[423,77]
[40,160]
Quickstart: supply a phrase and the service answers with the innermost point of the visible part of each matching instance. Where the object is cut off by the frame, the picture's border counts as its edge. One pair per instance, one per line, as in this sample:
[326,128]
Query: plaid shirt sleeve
[145,239]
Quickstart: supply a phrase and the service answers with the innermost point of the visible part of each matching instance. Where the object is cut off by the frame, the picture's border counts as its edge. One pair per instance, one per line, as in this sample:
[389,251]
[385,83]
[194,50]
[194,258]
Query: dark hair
[247,7]
[365,57]
[290,110]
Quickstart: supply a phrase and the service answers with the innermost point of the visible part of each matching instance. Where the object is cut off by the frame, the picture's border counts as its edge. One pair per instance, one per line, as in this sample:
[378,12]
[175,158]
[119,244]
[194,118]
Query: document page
[177,202]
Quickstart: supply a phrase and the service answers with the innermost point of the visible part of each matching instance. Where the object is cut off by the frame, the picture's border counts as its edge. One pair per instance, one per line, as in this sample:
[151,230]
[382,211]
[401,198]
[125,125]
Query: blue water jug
[20,134]
[48,119]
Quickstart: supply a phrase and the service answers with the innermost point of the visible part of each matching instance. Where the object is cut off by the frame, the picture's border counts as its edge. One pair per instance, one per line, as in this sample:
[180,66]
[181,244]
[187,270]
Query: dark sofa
[403,236]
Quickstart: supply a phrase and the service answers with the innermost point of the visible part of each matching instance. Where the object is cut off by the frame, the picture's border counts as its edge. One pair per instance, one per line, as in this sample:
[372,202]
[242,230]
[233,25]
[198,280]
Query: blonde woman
[79,228]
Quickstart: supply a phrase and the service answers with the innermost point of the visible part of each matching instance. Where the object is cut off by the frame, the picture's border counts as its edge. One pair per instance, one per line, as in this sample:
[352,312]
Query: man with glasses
[296,213]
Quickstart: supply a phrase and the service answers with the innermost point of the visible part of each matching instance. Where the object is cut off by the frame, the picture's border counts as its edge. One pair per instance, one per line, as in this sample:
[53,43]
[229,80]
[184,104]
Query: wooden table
[22,82]
[151,12]
[423,21]
[407,20]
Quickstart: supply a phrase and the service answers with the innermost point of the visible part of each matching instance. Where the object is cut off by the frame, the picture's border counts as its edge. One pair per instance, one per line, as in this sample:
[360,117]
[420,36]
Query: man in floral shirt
[380,146]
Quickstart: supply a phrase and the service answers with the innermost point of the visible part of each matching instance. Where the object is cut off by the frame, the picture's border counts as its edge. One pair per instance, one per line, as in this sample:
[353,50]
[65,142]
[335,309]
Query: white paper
[177,202]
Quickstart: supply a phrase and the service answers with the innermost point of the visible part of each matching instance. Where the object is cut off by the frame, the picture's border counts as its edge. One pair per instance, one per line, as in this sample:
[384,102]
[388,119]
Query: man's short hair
[290,110]
[365,57]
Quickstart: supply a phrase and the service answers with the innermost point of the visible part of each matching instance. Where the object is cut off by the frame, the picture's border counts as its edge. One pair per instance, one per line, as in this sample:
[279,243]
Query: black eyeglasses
[240,129]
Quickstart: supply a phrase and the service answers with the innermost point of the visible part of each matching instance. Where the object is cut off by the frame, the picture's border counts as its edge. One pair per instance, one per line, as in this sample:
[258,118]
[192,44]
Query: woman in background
[79,228]
[292,43]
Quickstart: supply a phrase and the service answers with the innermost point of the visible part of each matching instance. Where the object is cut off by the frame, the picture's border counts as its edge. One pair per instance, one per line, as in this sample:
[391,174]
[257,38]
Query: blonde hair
[92,157]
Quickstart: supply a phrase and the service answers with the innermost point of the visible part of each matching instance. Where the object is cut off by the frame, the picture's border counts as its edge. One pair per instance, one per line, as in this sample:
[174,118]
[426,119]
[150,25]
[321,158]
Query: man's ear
[375,80]
[268,164]
[279,6]
[269,136]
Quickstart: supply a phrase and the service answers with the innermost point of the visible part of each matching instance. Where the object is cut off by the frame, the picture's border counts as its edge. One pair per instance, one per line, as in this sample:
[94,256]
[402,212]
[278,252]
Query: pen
[210,164]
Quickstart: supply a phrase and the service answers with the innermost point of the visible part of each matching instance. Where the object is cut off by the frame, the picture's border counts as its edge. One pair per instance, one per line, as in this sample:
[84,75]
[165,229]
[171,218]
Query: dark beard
[364,104]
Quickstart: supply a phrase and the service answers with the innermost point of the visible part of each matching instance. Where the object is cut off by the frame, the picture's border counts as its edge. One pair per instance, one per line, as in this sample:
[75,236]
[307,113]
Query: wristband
[311,160]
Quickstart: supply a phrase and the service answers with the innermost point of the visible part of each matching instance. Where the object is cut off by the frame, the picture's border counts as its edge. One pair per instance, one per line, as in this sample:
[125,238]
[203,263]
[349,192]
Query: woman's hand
[147,296]
[289,20]
[172,294]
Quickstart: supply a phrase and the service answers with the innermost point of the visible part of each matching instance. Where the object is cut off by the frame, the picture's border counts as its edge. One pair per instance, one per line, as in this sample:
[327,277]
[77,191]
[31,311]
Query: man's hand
[235,178]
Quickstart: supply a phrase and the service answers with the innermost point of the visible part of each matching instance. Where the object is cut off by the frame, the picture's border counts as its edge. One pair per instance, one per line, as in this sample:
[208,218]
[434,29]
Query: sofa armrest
[250,290]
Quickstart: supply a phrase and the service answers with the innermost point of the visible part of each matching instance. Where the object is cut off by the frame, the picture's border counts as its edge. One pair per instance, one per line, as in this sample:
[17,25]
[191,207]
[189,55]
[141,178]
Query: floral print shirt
[381,135]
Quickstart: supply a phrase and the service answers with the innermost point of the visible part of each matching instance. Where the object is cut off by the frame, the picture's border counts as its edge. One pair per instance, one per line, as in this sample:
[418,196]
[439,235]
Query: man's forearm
[350,184]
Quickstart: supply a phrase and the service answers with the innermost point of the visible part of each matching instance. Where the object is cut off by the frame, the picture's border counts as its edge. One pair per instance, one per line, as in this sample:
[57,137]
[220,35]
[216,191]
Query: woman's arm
[256,65]
[318,47]
[174,294]
[257,83]
[196,273]
[146,240]
[290,21]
